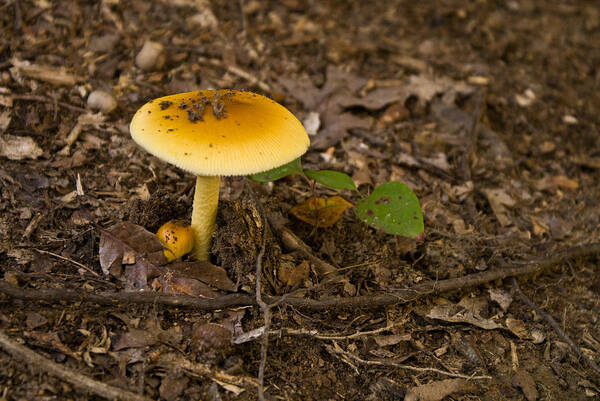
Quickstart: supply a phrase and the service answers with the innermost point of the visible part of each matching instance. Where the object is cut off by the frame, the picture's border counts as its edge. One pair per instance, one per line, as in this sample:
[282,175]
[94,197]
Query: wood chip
[53,75]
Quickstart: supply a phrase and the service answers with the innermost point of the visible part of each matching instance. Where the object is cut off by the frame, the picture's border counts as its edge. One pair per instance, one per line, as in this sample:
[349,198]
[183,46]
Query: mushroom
[216,133]
[177,238]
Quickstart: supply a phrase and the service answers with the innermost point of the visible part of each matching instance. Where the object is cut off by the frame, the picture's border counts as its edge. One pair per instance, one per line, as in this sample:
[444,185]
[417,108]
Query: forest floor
[487,110]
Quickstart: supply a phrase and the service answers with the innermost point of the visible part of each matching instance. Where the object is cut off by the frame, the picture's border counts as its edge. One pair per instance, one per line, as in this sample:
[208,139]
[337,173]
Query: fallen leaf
[436,391]
[377,98]
[172,385]
[209,336]
[291,274]
[498,199]
[321,212]
[35,320]
[502,298]
[127,243]
[335,128]
[525,382]
[540,227]
[186,285]
[459,314]
[50,338]
[426,88]
[206,272]
[134,338]
[19,147]
[385,341]
[151,334]
[465,346]
[517,327]
[5,118]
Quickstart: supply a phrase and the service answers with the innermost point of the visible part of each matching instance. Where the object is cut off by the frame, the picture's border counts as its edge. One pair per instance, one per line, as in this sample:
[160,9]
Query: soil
[488,110]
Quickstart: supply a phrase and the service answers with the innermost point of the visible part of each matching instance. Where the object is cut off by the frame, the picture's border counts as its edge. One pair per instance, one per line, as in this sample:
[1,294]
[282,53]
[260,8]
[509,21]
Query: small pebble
[102,101]
[205,19]
[151,57]
[569,119]
[104,43]
[312,122]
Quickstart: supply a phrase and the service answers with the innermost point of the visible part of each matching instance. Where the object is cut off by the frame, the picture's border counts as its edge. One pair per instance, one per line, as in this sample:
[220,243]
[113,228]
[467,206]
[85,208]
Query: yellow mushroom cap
[219,133]
[177,237]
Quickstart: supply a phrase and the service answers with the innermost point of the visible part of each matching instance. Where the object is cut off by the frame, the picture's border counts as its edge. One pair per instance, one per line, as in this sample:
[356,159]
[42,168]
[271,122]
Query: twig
[563,336]
[126,298]
[293,243]
[84,383]
[259,300]
[252,80]
[318,336]
[35,98]
[84,267]
[200,369]
[32,226]
[401,366]
[401,296]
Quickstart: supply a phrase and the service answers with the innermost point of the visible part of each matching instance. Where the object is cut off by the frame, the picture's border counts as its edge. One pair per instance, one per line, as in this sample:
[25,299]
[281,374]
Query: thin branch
[54,295]
[293,243]
[259,300]
[339,337]
[84,383]
[401,366]
[563,336]
[203,370]
[252,80]
[35,98]
[400,296]
[84,267]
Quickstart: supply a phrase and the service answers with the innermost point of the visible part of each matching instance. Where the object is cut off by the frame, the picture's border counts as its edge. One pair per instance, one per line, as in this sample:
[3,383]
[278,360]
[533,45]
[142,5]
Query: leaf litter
[543,156]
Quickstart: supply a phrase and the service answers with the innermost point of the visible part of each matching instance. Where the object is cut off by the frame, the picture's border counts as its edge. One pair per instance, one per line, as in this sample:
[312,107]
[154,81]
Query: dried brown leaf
[5,118]
[436,391]
[134,338]
[50,338]
[206,272]
[186,285]
[502,298]
[292,274]
[335,127]
[19,147]
[209,336]
[172,385]
[460,314]
[376,99]
[525,382]
[129,244]
[35,320]
[517,327]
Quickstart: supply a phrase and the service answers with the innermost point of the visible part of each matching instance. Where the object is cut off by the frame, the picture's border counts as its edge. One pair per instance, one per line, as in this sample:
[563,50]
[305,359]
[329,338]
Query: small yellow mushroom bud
[177,238]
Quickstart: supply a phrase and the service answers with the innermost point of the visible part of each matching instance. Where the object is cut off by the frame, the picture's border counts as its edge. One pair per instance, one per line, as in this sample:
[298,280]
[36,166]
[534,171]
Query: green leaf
[394,208]
[293,167]
[332,179]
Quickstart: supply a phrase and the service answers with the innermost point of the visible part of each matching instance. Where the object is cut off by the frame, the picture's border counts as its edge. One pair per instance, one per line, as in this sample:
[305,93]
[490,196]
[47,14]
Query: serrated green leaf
[332,179]
[394,208]
[293,167]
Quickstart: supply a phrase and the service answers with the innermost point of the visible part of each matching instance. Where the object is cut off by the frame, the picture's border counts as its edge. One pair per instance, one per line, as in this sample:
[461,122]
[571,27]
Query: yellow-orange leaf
[321,212]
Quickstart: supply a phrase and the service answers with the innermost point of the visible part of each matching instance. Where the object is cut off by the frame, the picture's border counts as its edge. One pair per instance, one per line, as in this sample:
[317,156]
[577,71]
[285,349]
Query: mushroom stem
[204,214]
